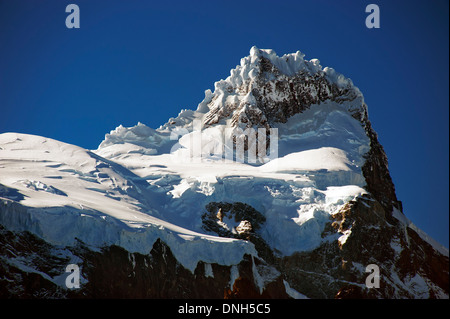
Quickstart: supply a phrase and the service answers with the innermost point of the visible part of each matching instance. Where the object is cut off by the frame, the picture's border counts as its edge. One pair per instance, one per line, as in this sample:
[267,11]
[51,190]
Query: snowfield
[104,203]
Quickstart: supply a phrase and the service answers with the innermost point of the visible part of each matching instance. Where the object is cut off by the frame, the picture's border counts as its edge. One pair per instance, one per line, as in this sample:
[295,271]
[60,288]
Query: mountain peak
[306,222]
[266,88]
[288,64]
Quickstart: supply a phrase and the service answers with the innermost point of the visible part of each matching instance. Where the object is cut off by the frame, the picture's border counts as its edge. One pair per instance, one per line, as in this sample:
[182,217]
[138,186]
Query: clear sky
[145,60]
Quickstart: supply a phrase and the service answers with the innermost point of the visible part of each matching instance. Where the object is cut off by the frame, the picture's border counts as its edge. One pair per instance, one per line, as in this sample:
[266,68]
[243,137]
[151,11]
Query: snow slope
[73,193]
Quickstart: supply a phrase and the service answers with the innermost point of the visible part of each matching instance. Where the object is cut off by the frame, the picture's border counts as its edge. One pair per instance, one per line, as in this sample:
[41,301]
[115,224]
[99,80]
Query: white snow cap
[292,63]
[288,64]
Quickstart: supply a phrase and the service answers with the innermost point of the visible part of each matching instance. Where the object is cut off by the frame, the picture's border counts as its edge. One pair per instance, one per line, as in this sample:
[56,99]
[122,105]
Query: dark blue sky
[145,60]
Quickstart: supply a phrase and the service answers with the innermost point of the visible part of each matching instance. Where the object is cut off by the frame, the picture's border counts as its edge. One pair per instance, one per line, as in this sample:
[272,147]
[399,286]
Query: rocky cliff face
[338,269]
[306,229]
[113,272]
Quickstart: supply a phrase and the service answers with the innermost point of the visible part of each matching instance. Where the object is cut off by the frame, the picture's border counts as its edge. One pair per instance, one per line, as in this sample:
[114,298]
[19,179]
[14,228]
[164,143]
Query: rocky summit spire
[265,89]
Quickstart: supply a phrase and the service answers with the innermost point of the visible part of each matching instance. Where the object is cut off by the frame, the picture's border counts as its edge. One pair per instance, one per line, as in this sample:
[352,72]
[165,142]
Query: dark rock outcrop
[299,92]
[337,269]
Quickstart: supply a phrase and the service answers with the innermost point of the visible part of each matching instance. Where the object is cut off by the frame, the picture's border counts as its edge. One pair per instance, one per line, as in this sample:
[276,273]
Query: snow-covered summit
[321,145]
[288,64]
[265,90]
